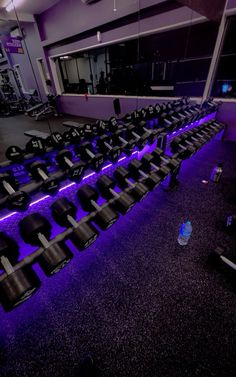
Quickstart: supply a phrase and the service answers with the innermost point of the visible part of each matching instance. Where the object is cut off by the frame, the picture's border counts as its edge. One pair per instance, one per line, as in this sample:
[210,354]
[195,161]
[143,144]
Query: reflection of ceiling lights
[114,7]
[13,4]
[66,57]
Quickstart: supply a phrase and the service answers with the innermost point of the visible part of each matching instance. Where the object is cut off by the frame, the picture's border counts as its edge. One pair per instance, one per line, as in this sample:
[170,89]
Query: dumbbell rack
[10,220]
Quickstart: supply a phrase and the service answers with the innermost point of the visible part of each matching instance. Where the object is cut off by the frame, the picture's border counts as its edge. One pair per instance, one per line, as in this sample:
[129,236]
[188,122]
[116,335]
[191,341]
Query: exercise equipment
[123,202]
[142,139]
[83,233]
[105,216]
[18,285]
[95,160]
[137,190]
[39,171]
[36,230]
[75,170]
[16,199]
[126,145]
[104,144]
[151,180]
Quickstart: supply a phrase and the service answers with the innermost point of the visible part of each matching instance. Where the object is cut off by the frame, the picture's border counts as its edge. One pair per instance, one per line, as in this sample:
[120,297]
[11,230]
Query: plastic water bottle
[185,233]
[216,173]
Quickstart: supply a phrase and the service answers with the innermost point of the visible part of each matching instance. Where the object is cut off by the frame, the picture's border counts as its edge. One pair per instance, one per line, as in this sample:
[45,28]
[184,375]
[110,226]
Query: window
[151,65]
[225,79]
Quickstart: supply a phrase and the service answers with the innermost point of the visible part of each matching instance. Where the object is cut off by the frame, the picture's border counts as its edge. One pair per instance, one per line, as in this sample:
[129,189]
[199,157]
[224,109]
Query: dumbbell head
[56,140]
[143,139]
[33,224]
[101,127]
[55,257]
[9,248]
[18,287]
[14,153]
[35,145]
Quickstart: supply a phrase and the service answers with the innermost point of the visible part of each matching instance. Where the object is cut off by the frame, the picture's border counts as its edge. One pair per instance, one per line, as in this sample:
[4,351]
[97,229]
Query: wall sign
[13,45]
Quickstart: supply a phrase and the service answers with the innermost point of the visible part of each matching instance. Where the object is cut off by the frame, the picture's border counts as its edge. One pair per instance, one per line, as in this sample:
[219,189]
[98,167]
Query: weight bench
[38,134]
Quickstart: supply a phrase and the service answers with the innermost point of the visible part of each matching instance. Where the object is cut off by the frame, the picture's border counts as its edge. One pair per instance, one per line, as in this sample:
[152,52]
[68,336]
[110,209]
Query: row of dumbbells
[169,115]
[126,187]
[192,140]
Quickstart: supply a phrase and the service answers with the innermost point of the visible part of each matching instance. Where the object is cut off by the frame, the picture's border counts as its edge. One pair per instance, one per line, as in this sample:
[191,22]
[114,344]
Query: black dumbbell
[101,127]
[177,144]
[19,284]
[83,233]
[96,160]
[104,144]
[151,180]
[15,153]
[172,162]
[138,190]
[55,139]
[74,170]
[38,170]
[148,161]
[127,145]
[153,133]
[35,230]
[36,146]
[142,139]
[105,216]
[123,201]
[16,199]
[196,138]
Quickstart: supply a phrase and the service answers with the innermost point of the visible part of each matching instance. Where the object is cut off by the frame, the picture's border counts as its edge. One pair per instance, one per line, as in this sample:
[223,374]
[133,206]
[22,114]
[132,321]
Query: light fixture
[13,4]
[114,6]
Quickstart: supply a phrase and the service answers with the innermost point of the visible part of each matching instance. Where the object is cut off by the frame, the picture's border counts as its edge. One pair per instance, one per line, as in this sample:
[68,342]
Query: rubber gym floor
[137,301]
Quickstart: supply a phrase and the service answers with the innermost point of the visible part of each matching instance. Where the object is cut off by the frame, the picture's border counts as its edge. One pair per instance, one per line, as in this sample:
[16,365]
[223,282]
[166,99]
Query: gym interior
[117,188]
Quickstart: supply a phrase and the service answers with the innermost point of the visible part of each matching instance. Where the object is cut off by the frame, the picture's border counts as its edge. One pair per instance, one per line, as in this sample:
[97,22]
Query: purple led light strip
[175,133]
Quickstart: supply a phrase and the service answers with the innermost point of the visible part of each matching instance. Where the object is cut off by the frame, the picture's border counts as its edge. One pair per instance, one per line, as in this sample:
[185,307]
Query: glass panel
[225,79]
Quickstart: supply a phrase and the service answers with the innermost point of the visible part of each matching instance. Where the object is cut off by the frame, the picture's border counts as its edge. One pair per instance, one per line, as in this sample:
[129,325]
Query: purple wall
[72,17]
[227,114]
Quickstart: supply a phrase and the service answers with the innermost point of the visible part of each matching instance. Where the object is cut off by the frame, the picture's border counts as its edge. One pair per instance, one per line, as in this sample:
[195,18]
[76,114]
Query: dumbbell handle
[43,240]
[166,160]
[115,194]
[188,142]
[154,166]
[228,262]
[131,184]
[108,145]
[90,153]
[168,121]
[194,138]
[144,175]
[8,187]
[42,174]
[68,162]
[96,206]
[123,140]
[174,118]
[72,221]
[7,265]
[136,135]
